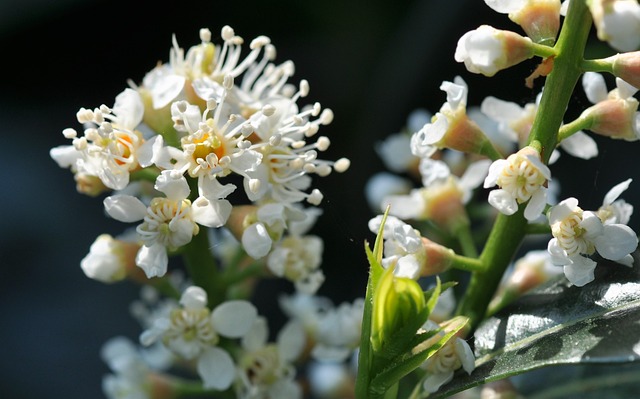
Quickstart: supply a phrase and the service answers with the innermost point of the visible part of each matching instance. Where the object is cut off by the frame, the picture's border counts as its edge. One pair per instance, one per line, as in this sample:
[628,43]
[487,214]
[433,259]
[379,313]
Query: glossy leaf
[560,324]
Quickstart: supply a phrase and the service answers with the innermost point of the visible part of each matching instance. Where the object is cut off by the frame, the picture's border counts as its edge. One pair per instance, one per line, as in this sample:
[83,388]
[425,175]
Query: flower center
[571,236]
[190,332]
[262,367]
[521,179]
[168,223]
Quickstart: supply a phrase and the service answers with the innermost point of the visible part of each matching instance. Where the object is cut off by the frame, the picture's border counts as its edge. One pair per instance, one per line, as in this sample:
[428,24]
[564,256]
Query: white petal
[291,341]
[408,267]
[216,368]
[285,389]
[434,381]
[503,201]
[562,210]
[166,90]
[212,189]
[150,150]
[506,6]
[592,224]
[256,241]
[594,87]
[615,192]
[211,213]
[494,171]
[173,184]
[627,261]
[233,319]
[153,260]
[580,145]
[65,155]
[125,208]
[465,354]
[257,336]
[475,174]
[625,90]
[129,109]
[616,241]
[194,297]
[557,255]
[536,204]
[580,271]
[433,170]
[405,206]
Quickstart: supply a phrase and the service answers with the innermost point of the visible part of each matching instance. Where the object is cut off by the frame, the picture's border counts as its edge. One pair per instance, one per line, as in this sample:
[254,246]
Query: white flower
[265,369]
[169,222]
[614,210]
[617,22]
[130,373]
[271,221]
[514,123]
[288,160]
[614,114]
[440,366]
[395,150]
[298,259]
[338,331]
[193,332]
[443,196]
[578,234]
[110,146]
[402,245]
[487,50]
[521,178]
[382,185]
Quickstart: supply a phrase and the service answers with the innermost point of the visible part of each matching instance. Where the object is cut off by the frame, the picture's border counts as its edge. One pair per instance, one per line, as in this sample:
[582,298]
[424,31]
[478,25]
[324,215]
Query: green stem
[560,83]
[202,268]
[543,51]
[508,231]
[573,127]
[468,264]
[599,65]
[538,228]
[503,242]
[145,174]
[465,239]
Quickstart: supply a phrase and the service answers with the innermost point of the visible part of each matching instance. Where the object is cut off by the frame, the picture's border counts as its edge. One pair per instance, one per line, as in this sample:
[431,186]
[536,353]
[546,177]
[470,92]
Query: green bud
[397,302]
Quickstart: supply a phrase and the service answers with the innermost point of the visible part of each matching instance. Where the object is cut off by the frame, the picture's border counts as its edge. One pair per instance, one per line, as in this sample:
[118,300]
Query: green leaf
[404,365]
[560,324]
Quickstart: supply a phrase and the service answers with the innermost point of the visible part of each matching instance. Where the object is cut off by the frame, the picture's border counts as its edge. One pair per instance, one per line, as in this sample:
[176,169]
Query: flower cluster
[212,157]
[195,128]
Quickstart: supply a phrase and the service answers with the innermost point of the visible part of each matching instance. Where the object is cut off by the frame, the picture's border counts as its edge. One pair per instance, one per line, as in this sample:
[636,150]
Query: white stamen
[342,165]
[70,133]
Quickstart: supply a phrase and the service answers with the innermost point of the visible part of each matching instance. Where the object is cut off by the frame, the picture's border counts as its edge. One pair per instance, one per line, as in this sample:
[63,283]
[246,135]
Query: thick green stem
[508,231]
[202,268]
[560,83]
[503,242]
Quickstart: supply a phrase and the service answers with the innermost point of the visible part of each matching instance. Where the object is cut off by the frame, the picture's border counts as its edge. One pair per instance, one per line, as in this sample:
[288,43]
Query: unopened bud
[626,66]
[487,50]
[616,118]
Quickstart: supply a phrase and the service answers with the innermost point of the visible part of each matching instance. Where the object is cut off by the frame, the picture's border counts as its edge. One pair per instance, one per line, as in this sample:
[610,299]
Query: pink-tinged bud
[615,117]
[626,66]
[89,185]
[438,258]
[110,260]
[241,217]
[161,386]
[445,207]
[540,19]
[466,136]
[487,50]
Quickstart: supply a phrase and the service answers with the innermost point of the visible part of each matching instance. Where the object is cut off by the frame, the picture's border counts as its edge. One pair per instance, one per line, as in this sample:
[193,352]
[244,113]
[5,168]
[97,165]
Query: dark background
[372,62]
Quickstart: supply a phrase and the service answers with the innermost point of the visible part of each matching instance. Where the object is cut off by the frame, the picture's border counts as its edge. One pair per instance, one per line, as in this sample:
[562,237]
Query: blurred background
[372,62]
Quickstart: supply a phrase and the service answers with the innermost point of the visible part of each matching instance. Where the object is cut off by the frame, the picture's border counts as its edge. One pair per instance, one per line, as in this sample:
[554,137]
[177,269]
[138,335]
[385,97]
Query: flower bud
[487,50]
[615,117]
[89,185]
[540,19]
[626,66]
[396,301]
[110,260]
[445,207]
[438,258]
